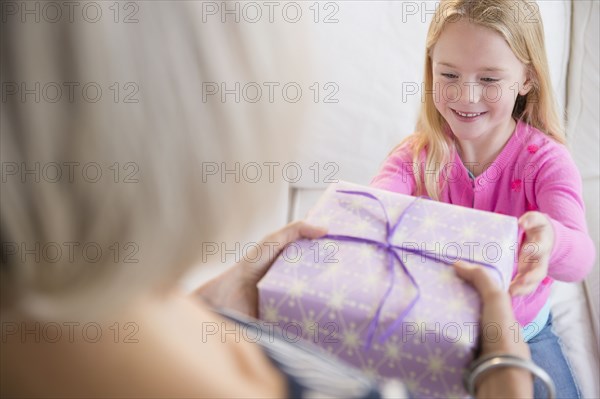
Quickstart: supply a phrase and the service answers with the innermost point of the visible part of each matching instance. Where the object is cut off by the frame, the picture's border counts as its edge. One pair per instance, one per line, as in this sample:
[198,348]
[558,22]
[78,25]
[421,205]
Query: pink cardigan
[532,172]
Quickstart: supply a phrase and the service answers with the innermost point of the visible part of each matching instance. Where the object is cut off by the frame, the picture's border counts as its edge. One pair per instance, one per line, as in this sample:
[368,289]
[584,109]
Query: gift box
[379,291]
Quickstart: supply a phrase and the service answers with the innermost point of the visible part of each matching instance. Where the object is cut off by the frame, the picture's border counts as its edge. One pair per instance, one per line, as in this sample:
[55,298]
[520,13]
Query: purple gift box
[378,291]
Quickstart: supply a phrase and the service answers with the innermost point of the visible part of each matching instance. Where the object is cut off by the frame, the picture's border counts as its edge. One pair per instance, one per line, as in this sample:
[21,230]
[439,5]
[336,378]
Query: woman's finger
[294,231]
[290,233]
[306,230]
[272,245]
[477,277]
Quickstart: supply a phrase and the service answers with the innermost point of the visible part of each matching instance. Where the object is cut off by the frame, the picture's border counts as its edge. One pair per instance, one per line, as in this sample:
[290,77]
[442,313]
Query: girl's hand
[236,288]
[534,254]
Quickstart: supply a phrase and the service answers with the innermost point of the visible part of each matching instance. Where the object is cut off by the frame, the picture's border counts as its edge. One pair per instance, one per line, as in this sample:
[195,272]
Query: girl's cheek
[492,93]
[450,92]
[437,90]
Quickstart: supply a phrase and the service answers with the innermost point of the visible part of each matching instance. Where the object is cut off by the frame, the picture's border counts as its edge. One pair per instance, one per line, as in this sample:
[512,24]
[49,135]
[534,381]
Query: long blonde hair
[538,107]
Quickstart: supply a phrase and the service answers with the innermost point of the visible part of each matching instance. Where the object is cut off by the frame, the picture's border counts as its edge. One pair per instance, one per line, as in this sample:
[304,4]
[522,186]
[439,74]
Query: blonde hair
[150,137]
[538,107]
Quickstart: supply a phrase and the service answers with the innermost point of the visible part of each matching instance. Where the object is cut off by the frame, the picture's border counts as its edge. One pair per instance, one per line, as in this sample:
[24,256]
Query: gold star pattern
[435,364]
[350,339]
[297,288]
[336,301]
[270,314]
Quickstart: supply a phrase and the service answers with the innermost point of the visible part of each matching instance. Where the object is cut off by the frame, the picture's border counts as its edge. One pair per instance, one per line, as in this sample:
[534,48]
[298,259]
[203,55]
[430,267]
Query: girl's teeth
[468,115]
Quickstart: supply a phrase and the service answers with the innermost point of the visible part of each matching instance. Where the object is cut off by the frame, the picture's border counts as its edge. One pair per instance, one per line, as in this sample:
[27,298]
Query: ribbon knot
[392,255]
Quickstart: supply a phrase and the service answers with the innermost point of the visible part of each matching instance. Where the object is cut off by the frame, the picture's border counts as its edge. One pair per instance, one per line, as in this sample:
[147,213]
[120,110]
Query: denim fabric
[546,352]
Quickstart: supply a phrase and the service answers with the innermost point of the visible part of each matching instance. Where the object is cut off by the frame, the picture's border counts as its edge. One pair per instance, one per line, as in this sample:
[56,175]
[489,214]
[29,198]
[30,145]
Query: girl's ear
[528,84]
[525,88]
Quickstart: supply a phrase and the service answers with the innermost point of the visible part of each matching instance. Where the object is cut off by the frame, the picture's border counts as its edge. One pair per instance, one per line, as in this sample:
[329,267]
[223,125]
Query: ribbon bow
[391,249]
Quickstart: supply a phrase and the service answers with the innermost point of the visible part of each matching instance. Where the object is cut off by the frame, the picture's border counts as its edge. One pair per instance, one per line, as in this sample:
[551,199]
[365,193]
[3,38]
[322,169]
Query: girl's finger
[527,282]
[532,219]
[518,289]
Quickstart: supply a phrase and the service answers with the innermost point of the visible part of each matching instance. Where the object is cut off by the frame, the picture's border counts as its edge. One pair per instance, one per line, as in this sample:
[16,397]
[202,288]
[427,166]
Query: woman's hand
[236,288]
[496,310]
[534,254]
[505,339]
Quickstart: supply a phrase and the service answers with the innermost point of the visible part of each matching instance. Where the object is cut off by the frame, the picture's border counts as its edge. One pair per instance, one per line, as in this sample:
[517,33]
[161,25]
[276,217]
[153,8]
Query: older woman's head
[111,133]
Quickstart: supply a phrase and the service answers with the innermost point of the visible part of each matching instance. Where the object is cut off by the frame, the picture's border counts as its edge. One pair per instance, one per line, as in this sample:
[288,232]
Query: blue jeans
[546,352]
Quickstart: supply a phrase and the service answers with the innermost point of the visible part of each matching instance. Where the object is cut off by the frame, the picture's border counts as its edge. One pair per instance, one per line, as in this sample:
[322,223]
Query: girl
[489,137]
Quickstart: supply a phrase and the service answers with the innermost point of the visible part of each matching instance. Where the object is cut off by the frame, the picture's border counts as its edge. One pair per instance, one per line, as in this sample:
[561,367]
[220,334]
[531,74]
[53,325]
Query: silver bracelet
[493,361]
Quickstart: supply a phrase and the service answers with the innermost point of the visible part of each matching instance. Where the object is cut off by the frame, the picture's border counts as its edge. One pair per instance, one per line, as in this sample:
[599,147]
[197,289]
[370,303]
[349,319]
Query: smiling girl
[489,137]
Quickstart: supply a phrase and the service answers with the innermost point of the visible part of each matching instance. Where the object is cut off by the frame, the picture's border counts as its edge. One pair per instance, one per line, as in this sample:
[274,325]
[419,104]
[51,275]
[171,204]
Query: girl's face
[476,80]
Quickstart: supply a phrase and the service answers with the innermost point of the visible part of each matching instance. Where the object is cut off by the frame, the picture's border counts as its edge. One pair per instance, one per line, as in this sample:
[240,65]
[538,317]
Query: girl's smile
[468,117]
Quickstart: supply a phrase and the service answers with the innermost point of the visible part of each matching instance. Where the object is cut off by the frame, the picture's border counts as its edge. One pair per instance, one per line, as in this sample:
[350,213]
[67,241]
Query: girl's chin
[467,131]
[467,134]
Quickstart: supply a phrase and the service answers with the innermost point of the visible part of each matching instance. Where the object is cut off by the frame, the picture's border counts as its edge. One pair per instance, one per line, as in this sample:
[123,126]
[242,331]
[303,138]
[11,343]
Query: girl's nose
[470,93]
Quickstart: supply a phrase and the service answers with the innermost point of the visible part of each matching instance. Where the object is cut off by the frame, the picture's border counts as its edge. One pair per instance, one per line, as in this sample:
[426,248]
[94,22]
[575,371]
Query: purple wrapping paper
[329,291]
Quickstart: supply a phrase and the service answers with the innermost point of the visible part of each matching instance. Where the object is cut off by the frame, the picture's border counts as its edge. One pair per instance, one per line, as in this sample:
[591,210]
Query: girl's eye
[489,80]
[449,75]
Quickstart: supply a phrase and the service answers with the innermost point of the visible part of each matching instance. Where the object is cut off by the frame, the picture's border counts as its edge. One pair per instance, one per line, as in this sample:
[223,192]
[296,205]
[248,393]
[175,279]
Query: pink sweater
[532,172]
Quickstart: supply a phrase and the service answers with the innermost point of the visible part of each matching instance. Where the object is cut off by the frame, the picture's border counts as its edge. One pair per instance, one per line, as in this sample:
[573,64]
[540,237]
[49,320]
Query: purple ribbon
[392,254]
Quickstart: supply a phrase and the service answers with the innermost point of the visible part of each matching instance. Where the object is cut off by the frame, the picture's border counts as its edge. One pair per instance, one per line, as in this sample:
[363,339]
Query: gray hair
[123,174]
